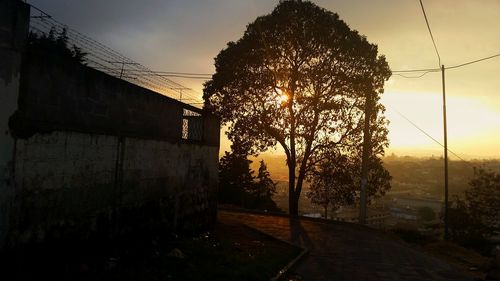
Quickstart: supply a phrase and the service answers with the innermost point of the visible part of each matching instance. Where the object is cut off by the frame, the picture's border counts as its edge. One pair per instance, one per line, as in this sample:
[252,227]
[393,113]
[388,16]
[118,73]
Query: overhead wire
[413,77]
[417,70]
[429,70]
[474,61]
[429,136]
[141,73]
[430,32]
[184,73]
[99,56]
[105,62]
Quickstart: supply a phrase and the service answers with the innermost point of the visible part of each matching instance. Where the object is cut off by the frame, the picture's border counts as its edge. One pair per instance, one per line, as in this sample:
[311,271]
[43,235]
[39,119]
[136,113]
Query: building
[84,152]
[418,202]
[376,216]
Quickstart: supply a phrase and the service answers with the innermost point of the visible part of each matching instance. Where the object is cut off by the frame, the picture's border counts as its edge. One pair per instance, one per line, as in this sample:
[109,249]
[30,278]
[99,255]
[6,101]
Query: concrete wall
[14,17]
[67,181]
[88,153]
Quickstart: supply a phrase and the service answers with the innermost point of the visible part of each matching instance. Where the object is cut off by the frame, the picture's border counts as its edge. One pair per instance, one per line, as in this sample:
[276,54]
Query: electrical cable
[429,136]
[418,76]
[474,61]
[430,32]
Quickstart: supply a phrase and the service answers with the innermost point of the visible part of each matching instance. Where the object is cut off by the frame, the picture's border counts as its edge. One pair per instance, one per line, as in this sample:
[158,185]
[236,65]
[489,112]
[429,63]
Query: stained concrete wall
[67,181]
[14,17]
[89,153]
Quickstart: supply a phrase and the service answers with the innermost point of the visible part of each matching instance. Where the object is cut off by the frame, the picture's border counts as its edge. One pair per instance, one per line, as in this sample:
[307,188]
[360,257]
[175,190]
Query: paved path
[341,251]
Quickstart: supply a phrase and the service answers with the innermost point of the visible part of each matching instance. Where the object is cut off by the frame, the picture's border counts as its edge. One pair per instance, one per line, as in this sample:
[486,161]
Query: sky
[185,36]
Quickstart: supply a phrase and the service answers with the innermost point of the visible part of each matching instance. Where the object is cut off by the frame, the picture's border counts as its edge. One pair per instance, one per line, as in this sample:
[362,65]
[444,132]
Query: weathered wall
[56,93]
[13,30]
[67,181]
[89,153]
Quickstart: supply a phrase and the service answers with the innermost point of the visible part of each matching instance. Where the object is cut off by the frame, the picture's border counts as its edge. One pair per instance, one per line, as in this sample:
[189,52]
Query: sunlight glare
[283,97]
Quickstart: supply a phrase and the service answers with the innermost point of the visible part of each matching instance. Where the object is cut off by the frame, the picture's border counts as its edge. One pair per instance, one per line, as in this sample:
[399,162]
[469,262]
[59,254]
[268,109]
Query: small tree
[464,227]
[335,181]
[237,184]
[378,181]
[332,184]
[235,175]
[265,186]
[483,197]
[473,219]
[299,77]
[263,190]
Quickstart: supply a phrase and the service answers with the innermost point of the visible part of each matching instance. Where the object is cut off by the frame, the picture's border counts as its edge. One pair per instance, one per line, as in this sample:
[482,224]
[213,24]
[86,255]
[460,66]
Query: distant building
[415,203]
[375,217]
[403,213]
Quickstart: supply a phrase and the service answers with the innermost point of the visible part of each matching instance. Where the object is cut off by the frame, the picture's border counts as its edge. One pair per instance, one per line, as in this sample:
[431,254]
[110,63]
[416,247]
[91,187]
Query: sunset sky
[185,36]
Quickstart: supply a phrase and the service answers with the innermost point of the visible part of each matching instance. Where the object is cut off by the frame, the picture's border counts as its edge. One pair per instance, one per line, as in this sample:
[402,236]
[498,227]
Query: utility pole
[123,63]
[180,89]
[366,158]
[445,158]
[121,72]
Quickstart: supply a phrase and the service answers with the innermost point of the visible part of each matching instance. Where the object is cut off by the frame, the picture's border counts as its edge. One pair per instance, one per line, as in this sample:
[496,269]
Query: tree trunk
[365,159]
[293,206]
[293,201]
[297,191]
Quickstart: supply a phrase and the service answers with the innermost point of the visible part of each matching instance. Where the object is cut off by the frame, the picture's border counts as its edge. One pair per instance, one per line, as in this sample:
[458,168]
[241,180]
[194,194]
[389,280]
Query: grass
[230,252]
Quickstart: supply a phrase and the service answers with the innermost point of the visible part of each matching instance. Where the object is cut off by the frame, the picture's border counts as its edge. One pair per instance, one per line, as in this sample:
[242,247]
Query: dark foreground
[229,252]
[341,251]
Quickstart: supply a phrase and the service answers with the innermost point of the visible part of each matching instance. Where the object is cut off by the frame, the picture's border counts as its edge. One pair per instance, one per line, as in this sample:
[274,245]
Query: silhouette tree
[332,184]
[238,186]
[298,78]
[378,181]
[483,197]
[263,190]
[474,218]
[235,175]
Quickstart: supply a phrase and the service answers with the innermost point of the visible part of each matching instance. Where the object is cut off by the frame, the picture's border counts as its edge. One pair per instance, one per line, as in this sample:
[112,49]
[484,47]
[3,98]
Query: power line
[189,75]
[184,73]
[422,72]
[417,70]
[183,76]
[107,60]
[418,76]
[429,136]
[430,32]
[474,61]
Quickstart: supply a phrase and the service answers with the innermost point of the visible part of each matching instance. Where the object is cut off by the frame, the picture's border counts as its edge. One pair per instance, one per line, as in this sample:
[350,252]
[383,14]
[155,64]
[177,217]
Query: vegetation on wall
[55,44]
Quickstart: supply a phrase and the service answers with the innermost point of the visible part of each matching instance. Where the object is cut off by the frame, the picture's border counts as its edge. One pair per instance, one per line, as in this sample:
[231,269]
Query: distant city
[416,187]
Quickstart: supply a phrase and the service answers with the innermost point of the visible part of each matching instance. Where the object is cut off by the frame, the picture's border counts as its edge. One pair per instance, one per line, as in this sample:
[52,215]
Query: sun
[282,97]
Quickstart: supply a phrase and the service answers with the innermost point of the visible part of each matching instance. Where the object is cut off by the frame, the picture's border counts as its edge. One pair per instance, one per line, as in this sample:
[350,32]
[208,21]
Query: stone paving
[342,251]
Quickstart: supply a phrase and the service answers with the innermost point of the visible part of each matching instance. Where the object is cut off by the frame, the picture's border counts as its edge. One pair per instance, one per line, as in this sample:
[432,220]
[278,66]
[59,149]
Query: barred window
[192,125]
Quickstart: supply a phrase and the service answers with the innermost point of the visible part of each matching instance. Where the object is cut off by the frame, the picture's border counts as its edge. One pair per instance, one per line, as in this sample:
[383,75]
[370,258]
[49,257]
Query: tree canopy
[299,77]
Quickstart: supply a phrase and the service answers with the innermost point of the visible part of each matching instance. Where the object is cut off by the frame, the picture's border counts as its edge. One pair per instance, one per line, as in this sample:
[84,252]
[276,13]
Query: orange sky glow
[185,36]
[464,31]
